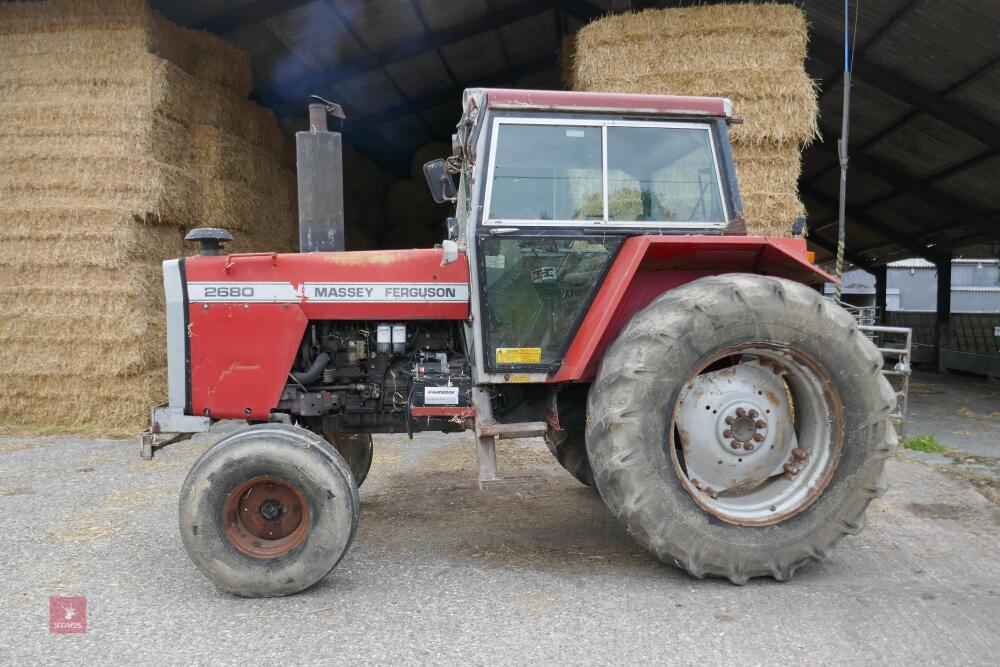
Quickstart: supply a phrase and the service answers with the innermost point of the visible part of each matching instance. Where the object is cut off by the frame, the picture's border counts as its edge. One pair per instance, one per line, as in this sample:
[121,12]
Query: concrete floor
[441,572]
[963,411]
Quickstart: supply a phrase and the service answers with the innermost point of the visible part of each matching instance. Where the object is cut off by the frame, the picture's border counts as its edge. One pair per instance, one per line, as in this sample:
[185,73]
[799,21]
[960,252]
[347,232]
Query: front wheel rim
[757,434]
[266,517]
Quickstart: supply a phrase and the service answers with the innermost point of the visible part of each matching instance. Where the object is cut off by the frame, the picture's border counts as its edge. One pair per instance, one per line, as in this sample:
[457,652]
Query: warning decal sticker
[519,355]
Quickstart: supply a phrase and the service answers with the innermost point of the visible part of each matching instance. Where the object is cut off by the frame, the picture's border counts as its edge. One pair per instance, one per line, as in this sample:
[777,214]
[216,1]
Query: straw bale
[141,81]
[225,156]
[751,53]
[567,49]
[408,203]
[98,131]
[147,188]
[768,177]
[81,29]
[81,404]
[363,196]
[83,238]
[424,154]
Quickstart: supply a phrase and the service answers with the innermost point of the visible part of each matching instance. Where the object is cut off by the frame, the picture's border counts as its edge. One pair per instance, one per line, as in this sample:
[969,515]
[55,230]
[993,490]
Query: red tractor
[597,287]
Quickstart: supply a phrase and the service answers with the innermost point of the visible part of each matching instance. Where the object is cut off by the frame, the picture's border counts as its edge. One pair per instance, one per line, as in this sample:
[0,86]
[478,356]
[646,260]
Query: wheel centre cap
[743,429]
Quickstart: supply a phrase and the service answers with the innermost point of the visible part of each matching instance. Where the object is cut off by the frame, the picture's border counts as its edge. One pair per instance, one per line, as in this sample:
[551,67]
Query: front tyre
[739,426]
[268,511]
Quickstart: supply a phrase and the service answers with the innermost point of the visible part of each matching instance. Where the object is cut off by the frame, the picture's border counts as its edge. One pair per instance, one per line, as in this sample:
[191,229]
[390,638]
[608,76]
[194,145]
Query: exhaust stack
[320,168]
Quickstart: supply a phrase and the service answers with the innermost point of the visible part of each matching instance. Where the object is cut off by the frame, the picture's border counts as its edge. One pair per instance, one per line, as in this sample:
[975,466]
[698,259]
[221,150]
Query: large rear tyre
[357,449]
[739,427]
[268,511]
[570,449]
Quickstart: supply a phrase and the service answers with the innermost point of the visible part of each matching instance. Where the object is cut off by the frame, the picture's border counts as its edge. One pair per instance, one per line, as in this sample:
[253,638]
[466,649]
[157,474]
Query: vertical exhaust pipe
[320,170]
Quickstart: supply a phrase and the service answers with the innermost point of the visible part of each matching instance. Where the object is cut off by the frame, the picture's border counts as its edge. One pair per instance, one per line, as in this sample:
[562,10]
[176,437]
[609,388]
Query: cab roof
[560,100]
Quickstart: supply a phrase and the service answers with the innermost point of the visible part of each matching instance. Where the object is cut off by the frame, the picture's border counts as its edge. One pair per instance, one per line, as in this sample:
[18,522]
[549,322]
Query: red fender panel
[647,266]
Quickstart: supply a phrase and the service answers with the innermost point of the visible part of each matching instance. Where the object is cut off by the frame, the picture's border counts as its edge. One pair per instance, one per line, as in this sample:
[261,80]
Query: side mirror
[440,182]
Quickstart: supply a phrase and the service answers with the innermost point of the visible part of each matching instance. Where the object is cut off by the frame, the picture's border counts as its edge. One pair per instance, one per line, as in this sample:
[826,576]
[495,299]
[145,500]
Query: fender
[647,266]
[246,314]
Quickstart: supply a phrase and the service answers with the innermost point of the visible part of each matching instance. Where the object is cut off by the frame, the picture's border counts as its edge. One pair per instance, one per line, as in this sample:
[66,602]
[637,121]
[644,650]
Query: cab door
[561,195]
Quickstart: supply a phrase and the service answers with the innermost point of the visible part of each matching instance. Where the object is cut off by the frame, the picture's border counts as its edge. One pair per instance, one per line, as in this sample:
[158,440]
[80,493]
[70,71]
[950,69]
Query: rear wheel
[357,450]
[268,511]
[739,426]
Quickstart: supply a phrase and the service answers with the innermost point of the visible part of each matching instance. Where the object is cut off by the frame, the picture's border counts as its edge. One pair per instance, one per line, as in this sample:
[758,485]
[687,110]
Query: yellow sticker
[519,355]
[520,378]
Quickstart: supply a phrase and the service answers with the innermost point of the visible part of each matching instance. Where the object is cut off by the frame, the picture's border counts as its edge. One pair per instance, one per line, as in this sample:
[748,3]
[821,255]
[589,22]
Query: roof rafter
[898,86]
[432,100]
[249,14]
[982,221]
[890,233]
[422,43]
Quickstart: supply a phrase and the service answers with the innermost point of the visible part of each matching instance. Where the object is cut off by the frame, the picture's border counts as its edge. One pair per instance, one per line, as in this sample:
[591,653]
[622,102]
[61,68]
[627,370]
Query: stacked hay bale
[751,53]
[119,131]
[414,220]
[363,196]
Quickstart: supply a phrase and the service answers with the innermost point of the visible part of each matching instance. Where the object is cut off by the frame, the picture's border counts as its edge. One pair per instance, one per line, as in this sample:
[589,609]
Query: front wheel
[739,426]
[268,511]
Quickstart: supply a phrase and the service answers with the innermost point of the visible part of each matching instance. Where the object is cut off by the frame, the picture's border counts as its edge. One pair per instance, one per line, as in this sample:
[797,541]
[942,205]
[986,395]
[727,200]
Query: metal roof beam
[890,233]
[984,222]
[502,76]
[583,10]
[895,84]
[248,15]
[422,43]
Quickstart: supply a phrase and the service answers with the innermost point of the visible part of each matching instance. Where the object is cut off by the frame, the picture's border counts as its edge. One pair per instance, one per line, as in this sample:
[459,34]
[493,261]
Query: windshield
[662,173]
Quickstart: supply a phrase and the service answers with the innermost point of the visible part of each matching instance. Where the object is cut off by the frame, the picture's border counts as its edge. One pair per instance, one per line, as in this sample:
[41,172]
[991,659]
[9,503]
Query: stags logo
[67,615]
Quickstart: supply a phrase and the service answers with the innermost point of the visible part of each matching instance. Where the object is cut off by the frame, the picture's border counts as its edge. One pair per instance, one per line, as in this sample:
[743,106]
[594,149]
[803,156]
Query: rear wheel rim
[757,434]
[266,517]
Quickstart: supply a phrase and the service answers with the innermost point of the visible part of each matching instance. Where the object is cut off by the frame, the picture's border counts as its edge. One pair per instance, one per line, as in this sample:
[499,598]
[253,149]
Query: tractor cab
[550,185]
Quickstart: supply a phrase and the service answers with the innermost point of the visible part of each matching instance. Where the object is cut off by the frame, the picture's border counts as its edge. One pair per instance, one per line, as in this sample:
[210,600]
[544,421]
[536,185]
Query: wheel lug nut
[760,423]
[727,433]
[740,412]
[735,445]
[729,420]
[753,414]
[758,437]
[748,446]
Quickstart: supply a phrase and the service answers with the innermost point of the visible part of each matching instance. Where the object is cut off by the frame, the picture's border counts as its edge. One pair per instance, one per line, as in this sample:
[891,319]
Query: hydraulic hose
[314,372]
